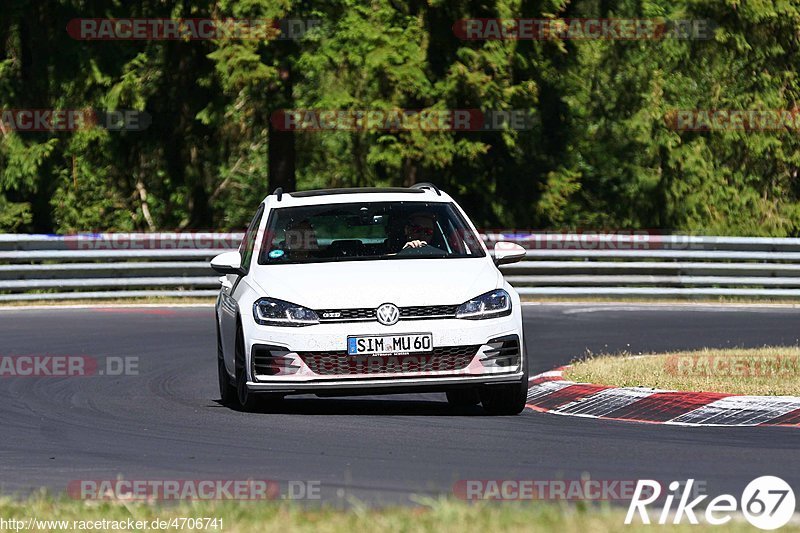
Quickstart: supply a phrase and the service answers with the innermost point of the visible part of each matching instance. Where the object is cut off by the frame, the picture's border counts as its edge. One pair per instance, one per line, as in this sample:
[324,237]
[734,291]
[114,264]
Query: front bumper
[313,358]
[378,384]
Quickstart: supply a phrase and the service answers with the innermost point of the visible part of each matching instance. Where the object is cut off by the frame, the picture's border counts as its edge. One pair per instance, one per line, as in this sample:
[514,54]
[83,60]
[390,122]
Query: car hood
[403,282]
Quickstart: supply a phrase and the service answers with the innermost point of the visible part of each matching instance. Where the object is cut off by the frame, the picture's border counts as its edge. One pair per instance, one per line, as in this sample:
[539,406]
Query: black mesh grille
[428,310]
[444,359]
[346,314]
[367,313]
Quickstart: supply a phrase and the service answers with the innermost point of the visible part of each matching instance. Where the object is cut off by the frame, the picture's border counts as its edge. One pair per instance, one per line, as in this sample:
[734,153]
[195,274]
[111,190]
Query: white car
[368,291]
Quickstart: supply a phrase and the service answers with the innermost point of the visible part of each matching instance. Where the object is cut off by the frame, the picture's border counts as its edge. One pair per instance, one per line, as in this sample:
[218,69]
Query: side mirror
[508,252]
[228,263]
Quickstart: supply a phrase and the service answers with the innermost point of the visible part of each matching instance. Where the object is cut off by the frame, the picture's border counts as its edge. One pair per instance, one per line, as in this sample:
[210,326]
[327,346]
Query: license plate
[389,344]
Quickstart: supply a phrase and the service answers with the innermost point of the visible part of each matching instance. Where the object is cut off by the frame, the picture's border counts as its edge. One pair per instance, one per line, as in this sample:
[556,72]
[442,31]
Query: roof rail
[278,192]
[426,185]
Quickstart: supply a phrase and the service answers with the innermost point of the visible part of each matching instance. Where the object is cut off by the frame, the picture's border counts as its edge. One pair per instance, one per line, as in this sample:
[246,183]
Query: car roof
[420,193]
[355,190]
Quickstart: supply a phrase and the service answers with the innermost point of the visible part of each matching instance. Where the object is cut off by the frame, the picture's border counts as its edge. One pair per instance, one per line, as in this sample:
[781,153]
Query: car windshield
[364,231]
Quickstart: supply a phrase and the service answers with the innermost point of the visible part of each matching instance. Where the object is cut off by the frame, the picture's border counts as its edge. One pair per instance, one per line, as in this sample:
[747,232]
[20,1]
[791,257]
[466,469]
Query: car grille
[428,311]
[368,313]
[445,359]
[345,315]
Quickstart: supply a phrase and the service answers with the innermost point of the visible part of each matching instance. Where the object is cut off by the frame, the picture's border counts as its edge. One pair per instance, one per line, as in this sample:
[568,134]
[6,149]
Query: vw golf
[368,291]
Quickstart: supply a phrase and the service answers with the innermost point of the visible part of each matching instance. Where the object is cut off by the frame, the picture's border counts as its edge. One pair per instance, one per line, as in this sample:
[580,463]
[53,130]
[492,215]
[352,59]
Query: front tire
[247,401]
[227,392]
[505,400]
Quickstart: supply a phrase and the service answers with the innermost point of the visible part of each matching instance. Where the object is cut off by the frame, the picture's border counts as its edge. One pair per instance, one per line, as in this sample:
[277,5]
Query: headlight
[272,312]
[490,305]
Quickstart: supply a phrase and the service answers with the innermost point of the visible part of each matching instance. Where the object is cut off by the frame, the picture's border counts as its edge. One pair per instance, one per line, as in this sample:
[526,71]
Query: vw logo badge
[388,314]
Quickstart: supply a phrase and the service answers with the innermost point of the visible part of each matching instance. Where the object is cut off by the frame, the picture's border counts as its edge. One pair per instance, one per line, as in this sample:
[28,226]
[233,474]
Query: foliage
[599,152]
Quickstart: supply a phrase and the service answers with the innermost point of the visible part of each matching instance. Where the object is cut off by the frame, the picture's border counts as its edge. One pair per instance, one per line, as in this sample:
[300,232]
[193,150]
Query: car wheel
[463,397]
[507,399]
[227,392]
[247,400]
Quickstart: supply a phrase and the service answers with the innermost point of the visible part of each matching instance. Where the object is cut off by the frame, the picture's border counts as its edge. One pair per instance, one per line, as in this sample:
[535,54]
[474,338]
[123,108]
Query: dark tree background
[600,153]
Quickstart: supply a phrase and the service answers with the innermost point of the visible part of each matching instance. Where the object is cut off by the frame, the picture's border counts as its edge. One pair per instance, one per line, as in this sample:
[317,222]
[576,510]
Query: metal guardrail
[48,267]
[118,265]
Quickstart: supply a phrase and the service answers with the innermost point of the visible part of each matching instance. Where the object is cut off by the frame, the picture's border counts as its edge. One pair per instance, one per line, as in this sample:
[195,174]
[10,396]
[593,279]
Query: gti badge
[388,314]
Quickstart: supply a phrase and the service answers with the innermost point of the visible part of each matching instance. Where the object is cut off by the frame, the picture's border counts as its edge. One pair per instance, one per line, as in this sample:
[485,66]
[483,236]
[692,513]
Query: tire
[463,397]
[505,400]
[227,392]
[246,400]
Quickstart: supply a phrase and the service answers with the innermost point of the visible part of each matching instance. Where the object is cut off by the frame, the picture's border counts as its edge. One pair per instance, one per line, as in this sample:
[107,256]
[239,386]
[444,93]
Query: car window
[249,240]
[368,230]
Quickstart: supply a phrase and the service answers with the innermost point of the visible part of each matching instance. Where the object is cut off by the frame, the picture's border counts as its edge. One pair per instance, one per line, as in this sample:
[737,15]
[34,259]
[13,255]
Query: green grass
[444,515]
[772,370]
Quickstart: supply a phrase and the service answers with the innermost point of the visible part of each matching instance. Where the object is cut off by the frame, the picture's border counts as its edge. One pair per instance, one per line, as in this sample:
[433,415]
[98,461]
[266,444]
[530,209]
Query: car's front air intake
[444,359]
[502,352]
[272,361]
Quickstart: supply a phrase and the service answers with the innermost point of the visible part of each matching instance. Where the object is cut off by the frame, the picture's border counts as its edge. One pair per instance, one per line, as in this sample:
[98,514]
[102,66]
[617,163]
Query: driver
[419,230]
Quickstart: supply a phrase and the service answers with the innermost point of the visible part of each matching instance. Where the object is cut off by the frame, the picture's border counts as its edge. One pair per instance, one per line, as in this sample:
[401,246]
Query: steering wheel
[425,251]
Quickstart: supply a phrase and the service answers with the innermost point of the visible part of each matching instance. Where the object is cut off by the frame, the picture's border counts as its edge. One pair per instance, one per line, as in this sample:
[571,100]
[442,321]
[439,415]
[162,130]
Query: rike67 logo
[767,502]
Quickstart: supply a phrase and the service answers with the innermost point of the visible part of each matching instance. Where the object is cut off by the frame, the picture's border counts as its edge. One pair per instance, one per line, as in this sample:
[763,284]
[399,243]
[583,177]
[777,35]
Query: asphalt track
[165,423]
